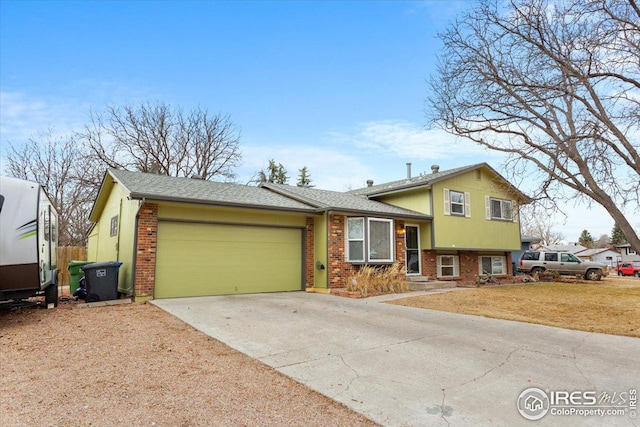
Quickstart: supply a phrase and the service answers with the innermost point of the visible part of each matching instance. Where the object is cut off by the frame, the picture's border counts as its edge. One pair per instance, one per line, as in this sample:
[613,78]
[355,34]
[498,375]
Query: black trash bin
[102,280]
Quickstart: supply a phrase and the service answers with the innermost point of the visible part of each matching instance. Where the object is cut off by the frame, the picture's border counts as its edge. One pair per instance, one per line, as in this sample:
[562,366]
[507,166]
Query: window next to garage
[369,240]
[113,227]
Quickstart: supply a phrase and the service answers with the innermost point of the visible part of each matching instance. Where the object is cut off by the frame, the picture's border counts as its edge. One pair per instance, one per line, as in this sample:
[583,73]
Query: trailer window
[46,224]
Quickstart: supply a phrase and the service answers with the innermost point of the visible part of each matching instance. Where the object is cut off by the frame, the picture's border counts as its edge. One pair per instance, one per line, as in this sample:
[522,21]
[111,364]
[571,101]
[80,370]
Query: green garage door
[215,259]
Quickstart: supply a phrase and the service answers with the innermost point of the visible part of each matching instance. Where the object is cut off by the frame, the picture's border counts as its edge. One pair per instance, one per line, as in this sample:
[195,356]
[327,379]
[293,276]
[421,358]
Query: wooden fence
[66,254]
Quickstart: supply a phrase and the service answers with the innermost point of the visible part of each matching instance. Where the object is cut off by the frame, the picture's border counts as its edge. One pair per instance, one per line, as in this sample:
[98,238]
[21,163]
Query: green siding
[231,215]
[213,259]
[101,246]
[476,232]
[320,251]
[126,242]
[416,200]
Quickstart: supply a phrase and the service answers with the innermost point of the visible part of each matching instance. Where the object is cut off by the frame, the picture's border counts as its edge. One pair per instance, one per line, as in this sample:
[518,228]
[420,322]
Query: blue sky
[339,87]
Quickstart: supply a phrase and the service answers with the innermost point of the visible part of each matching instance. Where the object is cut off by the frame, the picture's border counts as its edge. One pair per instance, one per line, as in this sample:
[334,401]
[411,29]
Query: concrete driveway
[406,366]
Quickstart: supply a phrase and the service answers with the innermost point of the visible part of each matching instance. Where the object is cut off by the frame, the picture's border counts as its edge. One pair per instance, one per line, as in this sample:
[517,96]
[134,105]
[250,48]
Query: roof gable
[186,190]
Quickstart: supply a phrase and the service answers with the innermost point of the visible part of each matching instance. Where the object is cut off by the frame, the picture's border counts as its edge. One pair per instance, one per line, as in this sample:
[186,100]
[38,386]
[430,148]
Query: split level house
[180,237]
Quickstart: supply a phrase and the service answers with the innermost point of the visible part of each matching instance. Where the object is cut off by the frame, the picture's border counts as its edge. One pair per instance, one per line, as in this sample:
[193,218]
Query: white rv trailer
[28,241]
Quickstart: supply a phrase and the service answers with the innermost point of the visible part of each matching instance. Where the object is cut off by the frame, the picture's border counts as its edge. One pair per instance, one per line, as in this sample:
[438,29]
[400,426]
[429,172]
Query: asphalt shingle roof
[339,201]
[161,187]
[417,181]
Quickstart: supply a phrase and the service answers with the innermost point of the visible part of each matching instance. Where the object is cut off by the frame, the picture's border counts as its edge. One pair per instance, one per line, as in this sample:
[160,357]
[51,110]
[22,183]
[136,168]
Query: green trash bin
[75,274]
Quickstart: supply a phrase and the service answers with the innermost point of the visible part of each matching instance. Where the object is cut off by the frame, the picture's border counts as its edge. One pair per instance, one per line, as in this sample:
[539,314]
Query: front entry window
[412,248]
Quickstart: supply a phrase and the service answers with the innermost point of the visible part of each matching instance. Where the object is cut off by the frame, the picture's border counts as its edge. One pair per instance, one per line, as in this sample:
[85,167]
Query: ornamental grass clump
[379,280]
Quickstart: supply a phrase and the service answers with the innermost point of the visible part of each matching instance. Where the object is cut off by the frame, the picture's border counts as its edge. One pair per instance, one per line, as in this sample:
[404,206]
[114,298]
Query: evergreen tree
[274,173]
[617,238]
[586,239]
[304,179]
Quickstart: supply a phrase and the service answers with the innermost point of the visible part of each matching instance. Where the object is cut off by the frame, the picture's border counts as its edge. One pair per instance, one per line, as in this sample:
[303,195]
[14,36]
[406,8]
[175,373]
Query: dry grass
[379,280]
[611,306]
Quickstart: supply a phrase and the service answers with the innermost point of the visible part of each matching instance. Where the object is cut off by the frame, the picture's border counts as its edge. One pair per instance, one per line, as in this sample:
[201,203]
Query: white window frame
[448,204]
[366,240]
[508,214]
[455,264]
[113,226]
[494,258]
[349,221]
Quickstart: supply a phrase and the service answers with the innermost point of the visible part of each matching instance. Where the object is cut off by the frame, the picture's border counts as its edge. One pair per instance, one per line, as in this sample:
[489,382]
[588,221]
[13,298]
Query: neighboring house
[627,254]
[602,255]
[180,237]
[573,248]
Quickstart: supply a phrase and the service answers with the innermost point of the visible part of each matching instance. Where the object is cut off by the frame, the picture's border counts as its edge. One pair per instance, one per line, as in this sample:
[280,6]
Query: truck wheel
[51,295]
[593,275]
[636,274]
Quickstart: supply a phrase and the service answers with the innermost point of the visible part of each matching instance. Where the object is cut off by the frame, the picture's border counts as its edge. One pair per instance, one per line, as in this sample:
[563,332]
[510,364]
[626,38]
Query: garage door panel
[215,259]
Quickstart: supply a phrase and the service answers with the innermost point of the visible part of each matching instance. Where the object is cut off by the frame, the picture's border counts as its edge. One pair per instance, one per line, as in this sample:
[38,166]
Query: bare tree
[535,223]
[63,171]
[156,138]
[604,241]
[556,86]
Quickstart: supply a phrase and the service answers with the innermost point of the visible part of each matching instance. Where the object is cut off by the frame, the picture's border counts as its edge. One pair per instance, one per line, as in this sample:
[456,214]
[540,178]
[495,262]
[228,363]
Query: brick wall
[338,269]
[429,264]
[468,262]
[310,267]
[146,250]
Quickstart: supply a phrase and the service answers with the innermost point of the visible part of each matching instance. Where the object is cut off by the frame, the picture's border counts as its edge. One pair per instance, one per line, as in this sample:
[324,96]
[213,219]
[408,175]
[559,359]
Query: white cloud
[406,140]
[23,117]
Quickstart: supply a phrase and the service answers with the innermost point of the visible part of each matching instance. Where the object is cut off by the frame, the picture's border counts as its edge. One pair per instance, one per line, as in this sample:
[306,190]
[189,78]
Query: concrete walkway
[406,366]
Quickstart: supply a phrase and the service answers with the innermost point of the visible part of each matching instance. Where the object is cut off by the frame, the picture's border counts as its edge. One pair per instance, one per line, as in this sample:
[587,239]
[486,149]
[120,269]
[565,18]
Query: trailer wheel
[51,295]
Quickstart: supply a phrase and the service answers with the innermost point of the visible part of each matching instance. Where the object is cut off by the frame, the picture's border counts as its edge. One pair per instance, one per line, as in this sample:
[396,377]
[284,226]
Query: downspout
[135,248]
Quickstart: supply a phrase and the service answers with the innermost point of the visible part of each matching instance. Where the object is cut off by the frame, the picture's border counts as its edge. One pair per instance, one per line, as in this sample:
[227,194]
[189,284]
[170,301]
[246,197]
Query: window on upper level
[457,203]
[499,209]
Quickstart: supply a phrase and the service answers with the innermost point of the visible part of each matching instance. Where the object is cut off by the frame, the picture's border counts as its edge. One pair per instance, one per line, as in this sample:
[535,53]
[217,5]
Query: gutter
[135,196]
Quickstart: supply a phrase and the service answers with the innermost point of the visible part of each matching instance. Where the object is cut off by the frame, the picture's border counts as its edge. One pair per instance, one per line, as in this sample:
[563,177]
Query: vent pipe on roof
[409,170]
[369,183]
[435,168]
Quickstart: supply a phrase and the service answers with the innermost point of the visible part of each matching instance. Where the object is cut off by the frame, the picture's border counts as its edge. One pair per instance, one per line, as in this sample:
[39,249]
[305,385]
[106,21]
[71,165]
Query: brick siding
[309,263]
[145,273]
[468,263]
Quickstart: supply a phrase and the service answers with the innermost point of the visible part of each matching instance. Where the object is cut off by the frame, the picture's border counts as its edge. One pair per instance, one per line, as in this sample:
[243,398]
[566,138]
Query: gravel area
[136,365]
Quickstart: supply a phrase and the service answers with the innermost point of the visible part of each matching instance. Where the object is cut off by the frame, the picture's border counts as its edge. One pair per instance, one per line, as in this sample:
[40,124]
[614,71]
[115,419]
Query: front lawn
[610,306]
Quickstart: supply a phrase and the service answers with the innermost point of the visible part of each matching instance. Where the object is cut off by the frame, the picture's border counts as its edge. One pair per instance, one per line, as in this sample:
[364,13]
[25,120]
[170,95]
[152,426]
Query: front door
[412,248]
